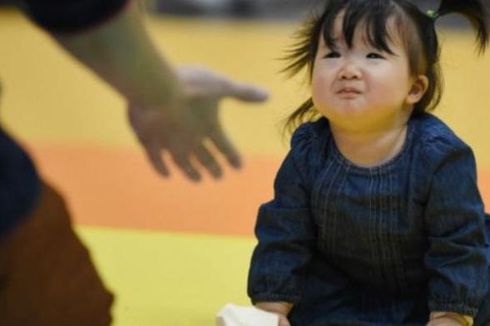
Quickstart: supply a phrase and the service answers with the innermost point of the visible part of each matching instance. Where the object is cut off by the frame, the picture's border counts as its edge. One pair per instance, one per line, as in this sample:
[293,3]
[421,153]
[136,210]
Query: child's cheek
[319,94]
[320,84]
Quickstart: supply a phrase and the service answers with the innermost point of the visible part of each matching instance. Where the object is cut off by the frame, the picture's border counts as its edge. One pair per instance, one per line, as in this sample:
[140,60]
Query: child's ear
[419,87]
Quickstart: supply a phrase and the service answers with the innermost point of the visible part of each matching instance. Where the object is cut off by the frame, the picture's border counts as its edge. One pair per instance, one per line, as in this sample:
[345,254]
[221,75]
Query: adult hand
[173,111]
[189,130]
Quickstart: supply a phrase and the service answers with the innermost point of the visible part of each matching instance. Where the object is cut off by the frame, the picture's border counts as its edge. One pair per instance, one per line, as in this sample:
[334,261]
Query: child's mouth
[349,90]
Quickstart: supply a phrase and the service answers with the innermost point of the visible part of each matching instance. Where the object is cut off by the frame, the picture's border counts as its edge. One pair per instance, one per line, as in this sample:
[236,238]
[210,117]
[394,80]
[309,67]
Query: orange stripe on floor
[118,188]
[484,185]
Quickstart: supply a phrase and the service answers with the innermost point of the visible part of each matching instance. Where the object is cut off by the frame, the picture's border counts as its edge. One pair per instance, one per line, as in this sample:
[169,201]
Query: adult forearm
[121,53]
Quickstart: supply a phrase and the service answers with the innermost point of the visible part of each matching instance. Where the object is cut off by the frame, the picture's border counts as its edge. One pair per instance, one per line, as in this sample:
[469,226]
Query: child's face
[361,88]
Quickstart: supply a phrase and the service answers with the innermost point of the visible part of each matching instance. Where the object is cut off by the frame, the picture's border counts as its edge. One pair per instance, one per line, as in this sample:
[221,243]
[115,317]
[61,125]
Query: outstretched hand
[188,130]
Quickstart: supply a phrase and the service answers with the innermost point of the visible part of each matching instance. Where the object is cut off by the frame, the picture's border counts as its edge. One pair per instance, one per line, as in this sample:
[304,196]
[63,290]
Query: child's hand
[442,318]
[283,321]
[444,321]
[280,308]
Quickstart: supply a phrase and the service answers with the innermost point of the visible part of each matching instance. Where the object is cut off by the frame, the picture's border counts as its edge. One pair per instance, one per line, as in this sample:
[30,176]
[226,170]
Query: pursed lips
[349,90]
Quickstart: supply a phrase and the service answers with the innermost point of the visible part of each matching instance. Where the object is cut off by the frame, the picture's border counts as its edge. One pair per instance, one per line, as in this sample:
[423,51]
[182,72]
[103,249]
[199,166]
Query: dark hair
[416,29]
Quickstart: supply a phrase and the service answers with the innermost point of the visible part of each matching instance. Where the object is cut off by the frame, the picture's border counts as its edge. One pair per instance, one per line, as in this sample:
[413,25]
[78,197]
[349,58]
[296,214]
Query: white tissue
[234,315]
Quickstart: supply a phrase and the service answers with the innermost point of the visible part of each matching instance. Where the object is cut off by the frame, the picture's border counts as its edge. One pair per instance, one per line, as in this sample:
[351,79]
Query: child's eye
[332,54]
[374,55]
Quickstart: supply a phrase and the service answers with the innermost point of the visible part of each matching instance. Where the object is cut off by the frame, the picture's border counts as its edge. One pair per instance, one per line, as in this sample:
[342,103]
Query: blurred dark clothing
[19,184]
[71,15]
[46,275]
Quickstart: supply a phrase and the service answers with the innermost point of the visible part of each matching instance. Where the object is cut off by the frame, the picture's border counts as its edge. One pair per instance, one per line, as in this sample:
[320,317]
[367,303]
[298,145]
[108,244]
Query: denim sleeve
[455,219]
[68,16]
[285,235]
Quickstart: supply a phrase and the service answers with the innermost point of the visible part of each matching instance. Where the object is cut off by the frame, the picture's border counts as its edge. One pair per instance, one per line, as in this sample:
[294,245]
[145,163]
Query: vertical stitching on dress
[335,221]
[382,243]
[398,260]
[317,189]
[381,234]
[390,236]
[372,217]
[320,199]
[331,220]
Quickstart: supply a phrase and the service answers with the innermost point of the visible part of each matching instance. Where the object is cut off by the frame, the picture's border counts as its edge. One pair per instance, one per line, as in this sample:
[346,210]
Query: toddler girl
[376,218]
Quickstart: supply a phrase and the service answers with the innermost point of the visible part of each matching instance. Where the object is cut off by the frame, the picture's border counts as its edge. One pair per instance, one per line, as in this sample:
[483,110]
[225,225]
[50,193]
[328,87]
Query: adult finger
[154,154]
[225,146]
[204,157]
[219,85]
[241,91]
[184,164]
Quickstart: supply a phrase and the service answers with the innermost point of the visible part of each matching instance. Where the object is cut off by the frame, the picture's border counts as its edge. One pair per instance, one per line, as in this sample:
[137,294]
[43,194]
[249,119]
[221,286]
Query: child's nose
[350,70]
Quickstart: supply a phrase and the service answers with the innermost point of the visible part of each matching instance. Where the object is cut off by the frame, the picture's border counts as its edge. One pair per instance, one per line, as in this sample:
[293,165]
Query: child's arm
[286,233]
[455,226]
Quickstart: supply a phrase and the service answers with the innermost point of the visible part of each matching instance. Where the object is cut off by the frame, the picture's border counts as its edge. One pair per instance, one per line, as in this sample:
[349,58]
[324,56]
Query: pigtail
[305,112]
[477,14]
[300,56]
[302,53]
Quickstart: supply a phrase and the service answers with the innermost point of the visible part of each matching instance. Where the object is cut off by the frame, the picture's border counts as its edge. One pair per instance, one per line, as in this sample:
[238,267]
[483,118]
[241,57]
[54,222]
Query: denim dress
[384,245]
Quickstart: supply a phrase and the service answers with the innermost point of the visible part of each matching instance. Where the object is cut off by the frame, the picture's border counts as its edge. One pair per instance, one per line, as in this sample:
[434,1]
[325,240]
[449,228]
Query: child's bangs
[372,16]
